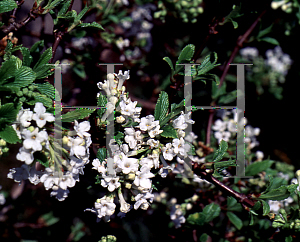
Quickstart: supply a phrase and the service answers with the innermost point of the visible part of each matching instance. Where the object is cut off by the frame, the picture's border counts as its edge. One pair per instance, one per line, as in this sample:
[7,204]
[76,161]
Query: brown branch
[239,44]
[245,200]
[13,26]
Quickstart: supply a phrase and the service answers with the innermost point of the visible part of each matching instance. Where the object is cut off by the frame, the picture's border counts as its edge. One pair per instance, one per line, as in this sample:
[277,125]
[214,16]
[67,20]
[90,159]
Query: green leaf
[270,40]
[27,58]
[44,71]
[46,89]
[37,47]
[219,154]
[41,98]
[102,101]
[76,114]
[169,132]
[101,154]
[24,76]
[186,54]
[211,211]
[289,239]
[8,69]
[203,237]
[266,207]
[9,135]
[64,8]
[168,60]
[90,25]
[41,158]
[264,31]
[44,59]
[178,107]
[119,137]
[162,105]
[208,63]
[235,220]
[7,5]
[230,97]
[216,91]
[280,193]
[257,167]
[275,183]
[235,24]
[196,219]
[9,112]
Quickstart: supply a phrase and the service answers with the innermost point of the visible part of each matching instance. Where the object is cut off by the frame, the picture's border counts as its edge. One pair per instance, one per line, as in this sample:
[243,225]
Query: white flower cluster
[64,163]
[2,198]
[278,61]
[285,5]
[130,168]
[226,128]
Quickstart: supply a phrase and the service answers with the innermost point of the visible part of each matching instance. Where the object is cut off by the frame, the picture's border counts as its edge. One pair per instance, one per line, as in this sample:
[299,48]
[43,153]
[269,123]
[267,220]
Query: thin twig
[239,44]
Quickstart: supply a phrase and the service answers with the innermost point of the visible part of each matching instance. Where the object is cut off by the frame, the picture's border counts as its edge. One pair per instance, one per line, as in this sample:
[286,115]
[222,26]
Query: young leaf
[186,54]
[266,207]
[169,132]
[7,5]
[162,105]
[41,98]
[37,47]
[218,155]
[264,31]
[8,69]
[196,219]
[270,40]
[41,158]
[9,112]
[46,89]
[119,137]
[27,58]
[168,60]
[76,114]
[101,154]
[90,25]
[44,59]
[235,220]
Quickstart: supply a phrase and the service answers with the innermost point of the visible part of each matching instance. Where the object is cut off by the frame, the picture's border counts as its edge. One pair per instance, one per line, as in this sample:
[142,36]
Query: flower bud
[130,176]
[31,128]
[2,142]
[25,91]
[128,185]
[120,119]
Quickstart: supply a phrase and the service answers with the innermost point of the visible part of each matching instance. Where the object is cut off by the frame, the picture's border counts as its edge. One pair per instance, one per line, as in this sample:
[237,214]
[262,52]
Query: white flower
[76,146]
[259,155]
[128,164]
[132,137]
[19,174]
[40,115]
[164,171]
[125,207]
[222,136]
[176,215]
[219,125]
[24,117]
[142,177]
[110,182]
[66,181]
[141,200]
[168,151]
[49,178]
[98,166]
[182,121]
[191,137]
[34,139]
[180,147]
[59,193]
[148,123]
[2,198]
[155,131]
[82,128]
[122,77]
[25,155]
[104,208]
[153,143]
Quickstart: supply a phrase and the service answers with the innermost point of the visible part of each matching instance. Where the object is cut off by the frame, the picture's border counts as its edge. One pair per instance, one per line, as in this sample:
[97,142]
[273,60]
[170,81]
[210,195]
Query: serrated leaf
[169,132]
[90,25]
[41,158]
[37,47]
[43,71]
[101,102]
[270,40]
[219,154]
[64,8]
[280,193]
[44,59]
[179,106]
[257,167]
[41,98]
[8,69]
[168,60]
[76,114]
[208,63]
[161,107]
[186,54]
[235,220]
[9,112]
[27,58]
[101,154]
[7,5]
[46,89]
[24,76]
[9,135]
[230,97]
